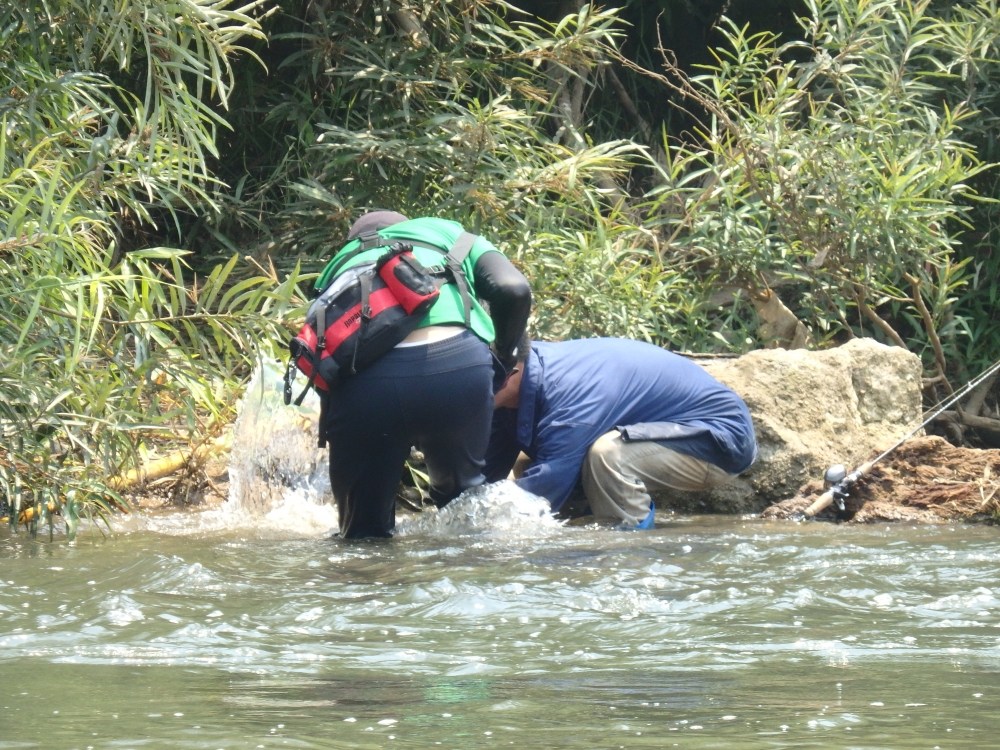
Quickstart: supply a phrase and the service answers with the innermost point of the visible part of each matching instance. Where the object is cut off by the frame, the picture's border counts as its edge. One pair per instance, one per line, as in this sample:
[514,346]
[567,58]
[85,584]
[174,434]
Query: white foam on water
[501,510]
[298,513]
[302,512]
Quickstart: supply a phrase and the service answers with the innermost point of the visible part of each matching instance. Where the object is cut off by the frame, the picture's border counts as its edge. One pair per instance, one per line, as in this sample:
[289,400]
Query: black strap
[369,240]
[309,384]
[336,265]
[312,380]
[320,330]
[289,378]
[324,401]
[462,247]
[314,359]
[365,280]
[453,262]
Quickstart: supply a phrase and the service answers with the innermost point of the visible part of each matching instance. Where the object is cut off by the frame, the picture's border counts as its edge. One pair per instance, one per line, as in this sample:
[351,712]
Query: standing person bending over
[625,417]
[434,390]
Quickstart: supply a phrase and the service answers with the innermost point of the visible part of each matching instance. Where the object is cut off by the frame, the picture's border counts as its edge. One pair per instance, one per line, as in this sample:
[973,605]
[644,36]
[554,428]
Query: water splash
[274,447]
[277,472]
[278,481]
[294,516]
[500,509]
[279,485]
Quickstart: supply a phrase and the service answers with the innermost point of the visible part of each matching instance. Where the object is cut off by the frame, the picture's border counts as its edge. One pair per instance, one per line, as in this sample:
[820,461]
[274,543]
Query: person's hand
[502,370]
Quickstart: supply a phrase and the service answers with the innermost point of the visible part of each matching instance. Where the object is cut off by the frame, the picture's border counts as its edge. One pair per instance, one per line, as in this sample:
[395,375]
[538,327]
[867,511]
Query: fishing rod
[840,481]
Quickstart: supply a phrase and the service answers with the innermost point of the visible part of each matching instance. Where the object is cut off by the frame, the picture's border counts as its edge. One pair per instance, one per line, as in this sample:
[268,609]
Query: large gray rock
[812,409]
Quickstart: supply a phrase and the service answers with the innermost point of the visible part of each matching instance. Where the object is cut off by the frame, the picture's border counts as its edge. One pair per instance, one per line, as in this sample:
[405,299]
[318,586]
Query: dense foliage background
[710,176]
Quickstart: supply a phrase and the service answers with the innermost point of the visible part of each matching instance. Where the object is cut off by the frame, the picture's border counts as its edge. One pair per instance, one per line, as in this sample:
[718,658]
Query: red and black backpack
[364,310]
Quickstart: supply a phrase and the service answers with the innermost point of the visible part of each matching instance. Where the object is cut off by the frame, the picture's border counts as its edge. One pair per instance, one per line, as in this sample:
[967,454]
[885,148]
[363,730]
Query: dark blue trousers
[437,397]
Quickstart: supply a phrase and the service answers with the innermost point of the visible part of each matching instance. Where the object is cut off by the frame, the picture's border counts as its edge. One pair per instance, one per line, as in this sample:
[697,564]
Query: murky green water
[704,633]
[489,625]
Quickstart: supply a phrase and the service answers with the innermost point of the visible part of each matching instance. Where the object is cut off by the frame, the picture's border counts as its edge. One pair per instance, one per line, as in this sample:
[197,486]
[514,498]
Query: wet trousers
[437,397]
[618,475]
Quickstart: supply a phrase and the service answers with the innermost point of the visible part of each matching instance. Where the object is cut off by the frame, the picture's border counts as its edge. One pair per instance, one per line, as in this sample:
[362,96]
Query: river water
[489,624]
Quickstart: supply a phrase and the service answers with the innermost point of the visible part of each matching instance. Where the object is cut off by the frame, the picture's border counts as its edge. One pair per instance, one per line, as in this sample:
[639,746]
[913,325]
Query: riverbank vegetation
[717,176]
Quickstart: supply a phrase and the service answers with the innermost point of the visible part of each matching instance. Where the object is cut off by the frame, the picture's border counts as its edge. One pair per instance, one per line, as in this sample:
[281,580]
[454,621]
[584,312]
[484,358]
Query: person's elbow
[518,294]
[501,284]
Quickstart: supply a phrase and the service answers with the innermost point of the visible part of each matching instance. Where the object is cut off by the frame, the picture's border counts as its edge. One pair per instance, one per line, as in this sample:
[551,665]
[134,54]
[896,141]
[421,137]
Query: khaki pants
[618,476]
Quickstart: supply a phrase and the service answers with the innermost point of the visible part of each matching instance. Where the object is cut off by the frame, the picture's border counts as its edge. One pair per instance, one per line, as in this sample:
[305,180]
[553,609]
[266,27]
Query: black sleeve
[507,293]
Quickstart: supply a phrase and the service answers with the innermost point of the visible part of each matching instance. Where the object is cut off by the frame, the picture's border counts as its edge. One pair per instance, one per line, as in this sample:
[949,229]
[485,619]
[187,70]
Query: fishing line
[840,481]
[943,405]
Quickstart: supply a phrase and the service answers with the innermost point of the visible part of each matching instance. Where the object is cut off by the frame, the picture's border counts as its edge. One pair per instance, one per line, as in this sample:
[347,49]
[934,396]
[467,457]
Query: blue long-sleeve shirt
[572,392]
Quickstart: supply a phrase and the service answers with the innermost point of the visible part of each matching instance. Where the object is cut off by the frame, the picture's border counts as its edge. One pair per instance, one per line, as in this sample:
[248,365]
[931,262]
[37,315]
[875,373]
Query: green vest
[424,234]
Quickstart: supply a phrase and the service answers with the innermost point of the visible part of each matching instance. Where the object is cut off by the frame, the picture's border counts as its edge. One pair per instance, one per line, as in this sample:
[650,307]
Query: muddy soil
[925,480]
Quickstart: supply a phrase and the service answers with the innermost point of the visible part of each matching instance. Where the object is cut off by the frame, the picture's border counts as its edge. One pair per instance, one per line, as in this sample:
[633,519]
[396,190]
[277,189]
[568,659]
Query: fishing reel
[838,482]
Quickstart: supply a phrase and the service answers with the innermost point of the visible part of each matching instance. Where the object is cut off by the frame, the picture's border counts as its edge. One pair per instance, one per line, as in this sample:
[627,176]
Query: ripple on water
[492,617]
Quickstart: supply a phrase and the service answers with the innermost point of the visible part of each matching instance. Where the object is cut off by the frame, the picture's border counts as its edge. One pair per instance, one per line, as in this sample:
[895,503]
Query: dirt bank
[925,480]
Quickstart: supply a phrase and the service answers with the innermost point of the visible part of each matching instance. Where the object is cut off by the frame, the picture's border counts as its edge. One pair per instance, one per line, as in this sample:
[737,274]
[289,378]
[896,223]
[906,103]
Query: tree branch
[875,318]
[925,316]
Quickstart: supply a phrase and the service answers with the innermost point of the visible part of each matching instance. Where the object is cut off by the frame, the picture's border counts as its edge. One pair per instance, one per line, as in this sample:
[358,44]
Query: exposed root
[925,480]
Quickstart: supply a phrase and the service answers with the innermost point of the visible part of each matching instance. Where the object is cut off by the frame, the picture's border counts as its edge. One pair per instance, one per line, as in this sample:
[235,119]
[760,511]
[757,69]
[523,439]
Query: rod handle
[823,501]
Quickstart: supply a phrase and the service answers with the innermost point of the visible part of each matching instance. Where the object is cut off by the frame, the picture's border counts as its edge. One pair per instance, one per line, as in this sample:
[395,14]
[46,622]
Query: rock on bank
[812,409]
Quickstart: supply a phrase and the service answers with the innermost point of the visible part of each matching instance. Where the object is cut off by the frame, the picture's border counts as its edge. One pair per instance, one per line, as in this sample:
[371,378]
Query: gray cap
[374,221]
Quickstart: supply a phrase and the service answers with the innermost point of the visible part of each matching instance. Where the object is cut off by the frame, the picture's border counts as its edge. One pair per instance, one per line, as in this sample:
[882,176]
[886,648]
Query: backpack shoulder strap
[453,262]
[332,268]
[366,241]
[462,247]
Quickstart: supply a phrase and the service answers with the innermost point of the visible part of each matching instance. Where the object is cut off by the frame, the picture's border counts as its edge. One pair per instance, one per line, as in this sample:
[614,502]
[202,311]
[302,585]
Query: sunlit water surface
[489,624]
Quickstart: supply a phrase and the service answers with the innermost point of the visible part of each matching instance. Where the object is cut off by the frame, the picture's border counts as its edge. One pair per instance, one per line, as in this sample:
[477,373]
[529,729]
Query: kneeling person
[622,417]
